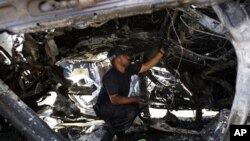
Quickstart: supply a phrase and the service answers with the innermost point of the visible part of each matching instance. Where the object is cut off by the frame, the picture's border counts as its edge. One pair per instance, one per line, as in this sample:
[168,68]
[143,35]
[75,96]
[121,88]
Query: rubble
[215,130]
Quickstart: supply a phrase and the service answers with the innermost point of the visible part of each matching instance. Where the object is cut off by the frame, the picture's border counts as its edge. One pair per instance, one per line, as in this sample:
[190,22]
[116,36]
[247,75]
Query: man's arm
[153,61]
[118,100]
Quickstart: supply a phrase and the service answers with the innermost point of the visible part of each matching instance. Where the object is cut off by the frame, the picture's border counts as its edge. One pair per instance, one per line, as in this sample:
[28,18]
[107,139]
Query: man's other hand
[141,101]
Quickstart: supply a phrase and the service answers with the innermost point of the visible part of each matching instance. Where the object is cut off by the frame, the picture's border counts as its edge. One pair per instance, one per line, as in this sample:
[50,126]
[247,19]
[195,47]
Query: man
[115,107]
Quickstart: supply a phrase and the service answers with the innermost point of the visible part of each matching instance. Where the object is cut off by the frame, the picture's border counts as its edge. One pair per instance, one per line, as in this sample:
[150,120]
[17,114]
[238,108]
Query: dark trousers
[119,117]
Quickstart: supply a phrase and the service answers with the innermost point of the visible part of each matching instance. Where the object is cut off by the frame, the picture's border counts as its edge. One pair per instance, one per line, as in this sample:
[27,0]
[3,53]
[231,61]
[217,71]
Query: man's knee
[130,112]
[132,109]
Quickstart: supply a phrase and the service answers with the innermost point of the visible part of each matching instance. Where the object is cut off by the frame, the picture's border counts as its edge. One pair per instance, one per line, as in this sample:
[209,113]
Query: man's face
[124,60]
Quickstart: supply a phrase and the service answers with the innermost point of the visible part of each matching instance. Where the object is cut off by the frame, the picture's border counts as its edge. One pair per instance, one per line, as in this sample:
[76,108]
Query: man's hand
[141,101]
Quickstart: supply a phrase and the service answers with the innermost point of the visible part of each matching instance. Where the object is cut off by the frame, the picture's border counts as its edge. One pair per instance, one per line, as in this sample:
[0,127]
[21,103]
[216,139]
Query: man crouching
[115,107]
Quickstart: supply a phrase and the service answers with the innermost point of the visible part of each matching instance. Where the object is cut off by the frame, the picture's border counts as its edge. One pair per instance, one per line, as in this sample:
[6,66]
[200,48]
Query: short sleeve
[110,83]
[134,68]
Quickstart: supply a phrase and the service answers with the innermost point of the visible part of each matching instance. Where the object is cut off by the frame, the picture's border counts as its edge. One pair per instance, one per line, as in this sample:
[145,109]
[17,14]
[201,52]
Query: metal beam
[24,118]
[37,15]
[235,17]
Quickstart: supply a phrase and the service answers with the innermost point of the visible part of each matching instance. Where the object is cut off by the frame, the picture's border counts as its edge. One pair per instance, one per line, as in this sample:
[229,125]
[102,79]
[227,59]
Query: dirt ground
[153,135]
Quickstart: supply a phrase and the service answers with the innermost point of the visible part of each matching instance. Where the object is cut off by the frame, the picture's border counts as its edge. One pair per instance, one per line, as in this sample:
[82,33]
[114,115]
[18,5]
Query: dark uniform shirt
[115,82]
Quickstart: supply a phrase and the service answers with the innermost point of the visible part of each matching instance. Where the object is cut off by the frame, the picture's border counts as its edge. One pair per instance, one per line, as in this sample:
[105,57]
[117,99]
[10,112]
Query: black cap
[116,51]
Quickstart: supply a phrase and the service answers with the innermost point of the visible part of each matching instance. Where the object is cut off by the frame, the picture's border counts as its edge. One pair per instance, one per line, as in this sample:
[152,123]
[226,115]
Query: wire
[181,17]
[188,60]
[172,23]
[200,35]
[211,37]
[219,47]
[154,20]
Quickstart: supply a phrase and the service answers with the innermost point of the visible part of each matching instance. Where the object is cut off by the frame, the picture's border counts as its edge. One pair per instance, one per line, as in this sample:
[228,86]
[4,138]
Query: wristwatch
[161,52]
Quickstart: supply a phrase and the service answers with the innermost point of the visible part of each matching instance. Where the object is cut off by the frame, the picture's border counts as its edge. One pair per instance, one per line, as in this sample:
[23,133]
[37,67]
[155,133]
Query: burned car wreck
[53,57]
